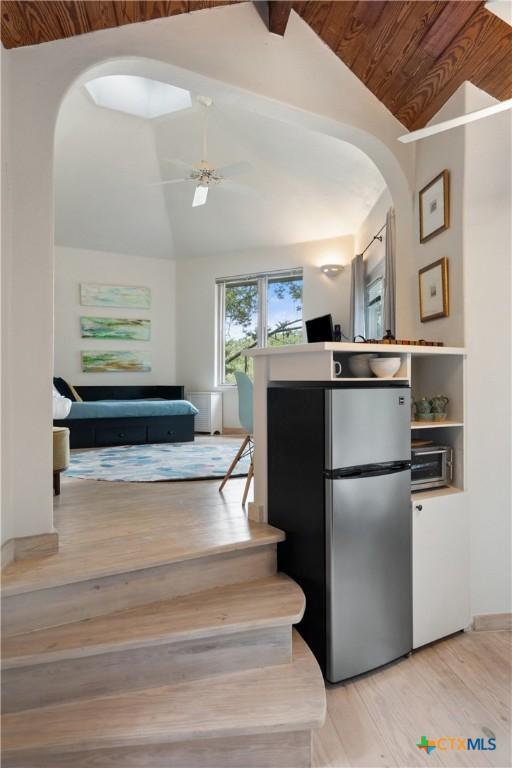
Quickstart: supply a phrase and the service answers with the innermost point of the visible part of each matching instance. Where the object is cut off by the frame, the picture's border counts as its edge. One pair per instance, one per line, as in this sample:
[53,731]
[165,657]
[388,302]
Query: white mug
[337,368]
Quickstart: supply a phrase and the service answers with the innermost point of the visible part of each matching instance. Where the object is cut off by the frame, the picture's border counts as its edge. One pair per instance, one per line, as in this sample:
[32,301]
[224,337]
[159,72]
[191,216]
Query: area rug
[206,457]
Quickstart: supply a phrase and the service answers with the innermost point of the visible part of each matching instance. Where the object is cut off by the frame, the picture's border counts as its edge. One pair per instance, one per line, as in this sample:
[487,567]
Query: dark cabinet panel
[120,435]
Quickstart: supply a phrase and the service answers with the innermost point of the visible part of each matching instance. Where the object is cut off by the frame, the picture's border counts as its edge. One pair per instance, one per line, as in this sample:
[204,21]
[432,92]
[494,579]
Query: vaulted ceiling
[286,195]
[412,55]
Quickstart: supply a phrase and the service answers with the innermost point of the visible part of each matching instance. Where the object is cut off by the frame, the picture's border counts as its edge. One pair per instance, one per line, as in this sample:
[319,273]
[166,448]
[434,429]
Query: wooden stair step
[276,601]
[221,630]
[281,699]
[81,582]
[291,749]
[132,552]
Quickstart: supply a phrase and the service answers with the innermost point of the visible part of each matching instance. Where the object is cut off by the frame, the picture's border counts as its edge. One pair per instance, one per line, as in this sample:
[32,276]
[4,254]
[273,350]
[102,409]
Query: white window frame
[262,280]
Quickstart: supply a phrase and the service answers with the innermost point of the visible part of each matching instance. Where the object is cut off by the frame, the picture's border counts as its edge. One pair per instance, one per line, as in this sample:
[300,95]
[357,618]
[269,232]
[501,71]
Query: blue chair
[245,395]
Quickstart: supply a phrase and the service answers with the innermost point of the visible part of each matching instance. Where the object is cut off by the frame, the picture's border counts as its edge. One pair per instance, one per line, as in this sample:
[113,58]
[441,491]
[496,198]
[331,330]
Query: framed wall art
[434,205]
[434,291]
[128,296]
[98,361]
[126,329]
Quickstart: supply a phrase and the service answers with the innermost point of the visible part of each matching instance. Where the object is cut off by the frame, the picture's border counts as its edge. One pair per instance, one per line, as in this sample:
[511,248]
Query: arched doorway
[41,78]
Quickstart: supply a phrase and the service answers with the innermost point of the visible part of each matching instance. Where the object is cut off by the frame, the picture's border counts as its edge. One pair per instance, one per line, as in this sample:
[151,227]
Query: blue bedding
[119,409]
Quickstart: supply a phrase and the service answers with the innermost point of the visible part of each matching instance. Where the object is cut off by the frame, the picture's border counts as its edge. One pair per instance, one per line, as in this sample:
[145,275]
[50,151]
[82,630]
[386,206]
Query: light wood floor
[459,687]
[94,509]
[107,527]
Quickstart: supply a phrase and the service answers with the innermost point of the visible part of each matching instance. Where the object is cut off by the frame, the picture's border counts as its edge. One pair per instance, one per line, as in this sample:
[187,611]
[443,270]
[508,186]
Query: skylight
[138,95]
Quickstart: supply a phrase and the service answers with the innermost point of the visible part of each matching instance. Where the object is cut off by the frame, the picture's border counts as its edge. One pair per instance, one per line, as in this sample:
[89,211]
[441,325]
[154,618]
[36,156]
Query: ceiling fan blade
[200,196]
[167,181]
[235,169]
[446,125]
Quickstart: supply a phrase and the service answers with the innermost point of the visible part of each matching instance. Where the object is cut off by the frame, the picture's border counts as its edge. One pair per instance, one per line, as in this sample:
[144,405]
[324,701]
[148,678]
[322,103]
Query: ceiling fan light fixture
[203,174]
[200,195]
[332,270]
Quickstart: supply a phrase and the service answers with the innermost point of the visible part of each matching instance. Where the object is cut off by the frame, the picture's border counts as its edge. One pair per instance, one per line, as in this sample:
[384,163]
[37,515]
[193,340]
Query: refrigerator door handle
[369,470]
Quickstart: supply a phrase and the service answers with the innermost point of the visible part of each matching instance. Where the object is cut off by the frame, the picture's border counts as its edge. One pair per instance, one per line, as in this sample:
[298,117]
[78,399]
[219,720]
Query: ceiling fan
[203,174]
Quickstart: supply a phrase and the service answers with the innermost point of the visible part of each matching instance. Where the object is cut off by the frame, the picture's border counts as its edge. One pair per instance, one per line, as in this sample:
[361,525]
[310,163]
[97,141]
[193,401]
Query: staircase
[138,652]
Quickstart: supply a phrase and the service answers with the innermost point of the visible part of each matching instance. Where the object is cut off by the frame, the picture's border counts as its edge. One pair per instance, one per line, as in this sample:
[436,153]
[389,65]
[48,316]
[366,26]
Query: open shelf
[433,493]
[433,424]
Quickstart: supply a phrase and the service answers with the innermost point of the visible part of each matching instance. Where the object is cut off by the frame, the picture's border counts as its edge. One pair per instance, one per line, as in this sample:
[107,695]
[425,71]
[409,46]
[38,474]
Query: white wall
[444,150]
[74,266]
[27,333]
[370,226]
[478,245]
[196,302]
[487,215]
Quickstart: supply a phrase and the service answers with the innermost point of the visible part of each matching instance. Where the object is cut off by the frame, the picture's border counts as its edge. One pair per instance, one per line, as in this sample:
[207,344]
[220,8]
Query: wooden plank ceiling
[29,22]
[412,55]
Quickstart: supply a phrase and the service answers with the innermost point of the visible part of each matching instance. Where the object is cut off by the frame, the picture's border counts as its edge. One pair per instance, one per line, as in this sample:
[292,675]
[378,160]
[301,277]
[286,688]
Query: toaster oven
[431,467]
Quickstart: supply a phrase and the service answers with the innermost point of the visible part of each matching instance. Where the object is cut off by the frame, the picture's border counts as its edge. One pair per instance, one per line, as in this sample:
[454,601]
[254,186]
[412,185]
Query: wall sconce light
[332,270]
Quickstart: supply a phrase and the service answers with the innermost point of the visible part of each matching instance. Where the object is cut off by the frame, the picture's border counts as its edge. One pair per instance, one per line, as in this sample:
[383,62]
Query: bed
[124,415]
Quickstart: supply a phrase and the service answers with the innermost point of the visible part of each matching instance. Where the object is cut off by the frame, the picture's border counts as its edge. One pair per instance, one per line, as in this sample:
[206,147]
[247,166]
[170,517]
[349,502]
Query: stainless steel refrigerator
[340,487]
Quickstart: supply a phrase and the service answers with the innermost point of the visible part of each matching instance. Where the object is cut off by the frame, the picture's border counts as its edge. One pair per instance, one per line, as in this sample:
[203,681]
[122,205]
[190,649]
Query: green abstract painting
[122,362]
[115,328]
[96,295]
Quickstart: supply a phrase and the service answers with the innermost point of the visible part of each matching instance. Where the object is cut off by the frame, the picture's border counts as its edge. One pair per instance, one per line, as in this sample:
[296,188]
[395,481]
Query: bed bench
[91,424]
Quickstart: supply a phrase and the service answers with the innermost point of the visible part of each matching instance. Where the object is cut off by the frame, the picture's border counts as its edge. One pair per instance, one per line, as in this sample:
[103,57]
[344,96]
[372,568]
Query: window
[374,309]
[256,311]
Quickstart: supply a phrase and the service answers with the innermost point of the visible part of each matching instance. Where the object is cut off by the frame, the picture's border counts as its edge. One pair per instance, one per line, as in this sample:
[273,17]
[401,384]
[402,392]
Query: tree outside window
[262,310]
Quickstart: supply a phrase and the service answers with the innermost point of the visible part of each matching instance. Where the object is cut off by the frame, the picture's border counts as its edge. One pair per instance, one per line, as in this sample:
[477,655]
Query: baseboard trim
[491,621]
[234,431]
[25,547]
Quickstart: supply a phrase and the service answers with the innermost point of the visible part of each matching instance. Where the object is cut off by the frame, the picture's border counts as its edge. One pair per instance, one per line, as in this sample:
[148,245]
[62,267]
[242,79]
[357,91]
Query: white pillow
[61,405]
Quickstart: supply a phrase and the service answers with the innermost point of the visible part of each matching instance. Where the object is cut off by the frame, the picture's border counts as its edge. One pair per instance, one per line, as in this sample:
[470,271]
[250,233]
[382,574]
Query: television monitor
[320,329]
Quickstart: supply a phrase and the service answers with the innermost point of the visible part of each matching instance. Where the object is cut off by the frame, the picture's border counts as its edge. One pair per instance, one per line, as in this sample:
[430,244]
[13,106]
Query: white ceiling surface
[303,186]
[502,9]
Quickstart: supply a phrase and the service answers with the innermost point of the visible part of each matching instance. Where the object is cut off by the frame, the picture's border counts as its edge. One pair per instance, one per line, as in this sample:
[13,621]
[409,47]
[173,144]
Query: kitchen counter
[315,362]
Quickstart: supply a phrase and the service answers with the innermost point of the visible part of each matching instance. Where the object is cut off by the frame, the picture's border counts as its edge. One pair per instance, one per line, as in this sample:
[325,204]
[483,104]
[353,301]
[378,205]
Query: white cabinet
[440,557]
[209,405]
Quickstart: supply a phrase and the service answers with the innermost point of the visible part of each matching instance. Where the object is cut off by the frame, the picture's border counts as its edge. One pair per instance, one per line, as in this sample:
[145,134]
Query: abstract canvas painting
[96,295]
[115,328]
[96,361]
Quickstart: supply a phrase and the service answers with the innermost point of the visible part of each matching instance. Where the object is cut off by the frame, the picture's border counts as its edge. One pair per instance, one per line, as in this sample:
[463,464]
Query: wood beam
[278,15]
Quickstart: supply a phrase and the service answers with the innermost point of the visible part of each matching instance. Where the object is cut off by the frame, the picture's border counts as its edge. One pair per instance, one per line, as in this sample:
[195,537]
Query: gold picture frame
[434,290]
[434,205]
